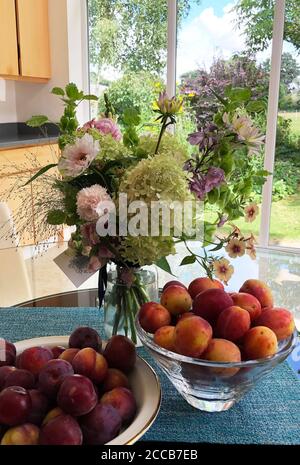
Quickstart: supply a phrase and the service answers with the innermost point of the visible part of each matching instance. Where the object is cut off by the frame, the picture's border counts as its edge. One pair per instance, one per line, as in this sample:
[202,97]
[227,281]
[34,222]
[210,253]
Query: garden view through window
[219,42]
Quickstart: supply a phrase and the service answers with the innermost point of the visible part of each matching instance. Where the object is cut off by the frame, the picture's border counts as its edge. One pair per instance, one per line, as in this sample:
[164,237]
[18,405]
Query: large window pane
[127,53]
[285,214]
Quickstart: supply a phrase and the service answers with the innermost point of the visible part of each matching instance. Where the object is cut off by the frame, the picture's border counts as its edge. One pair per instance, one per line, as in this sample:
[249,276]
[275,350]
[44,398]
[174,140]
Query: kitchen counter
[14,135]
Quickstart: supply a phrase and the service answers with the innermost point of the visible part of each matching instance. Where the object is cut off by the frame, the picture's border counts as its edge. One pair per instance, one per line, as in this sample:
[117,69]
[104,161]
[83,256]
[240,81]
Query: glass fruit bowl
[212,386]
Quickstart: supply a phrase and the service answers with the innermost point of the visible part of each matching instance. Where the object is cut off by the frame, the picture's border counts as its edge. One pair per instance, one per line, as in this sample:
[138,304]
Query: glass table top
[34,277]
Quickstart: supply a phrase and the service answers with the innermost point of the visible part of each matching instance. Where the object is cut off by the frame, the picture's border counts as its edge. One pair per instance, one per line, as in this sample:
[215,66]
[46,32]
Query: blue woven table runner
[269,414]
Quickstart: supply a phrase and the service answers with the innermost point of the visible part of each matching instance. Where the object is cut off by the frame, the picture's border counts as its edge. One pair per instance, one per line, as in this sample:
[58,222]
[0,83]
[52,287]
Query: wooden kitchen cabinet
[8,39]
[17,166]
[25,42]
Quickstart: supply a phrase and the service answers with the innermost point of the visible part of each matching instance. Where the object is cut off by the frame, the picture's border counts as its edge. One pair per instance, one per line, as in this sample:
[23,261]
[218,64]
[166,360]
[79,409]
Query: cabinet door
[33,31]
[8,39]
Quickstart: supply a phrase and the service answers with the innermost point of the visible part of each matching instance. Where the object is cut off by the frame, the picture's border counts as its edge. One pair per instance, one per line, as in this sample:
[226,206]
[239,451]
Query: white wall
[78,56]
[8,109]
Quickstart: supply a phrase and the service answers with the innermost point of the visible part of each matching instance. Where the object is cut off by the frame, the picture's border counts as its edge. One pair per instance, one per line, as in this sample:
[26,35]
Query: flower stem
[162,130]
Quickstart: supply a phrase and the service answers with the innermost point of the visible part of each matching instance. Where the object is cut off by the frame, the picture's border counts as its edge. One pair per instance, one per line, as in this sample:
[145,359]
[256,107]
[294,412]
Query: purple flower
[196,138]
[197,186]
[206,138]
[214,177]
[201,184]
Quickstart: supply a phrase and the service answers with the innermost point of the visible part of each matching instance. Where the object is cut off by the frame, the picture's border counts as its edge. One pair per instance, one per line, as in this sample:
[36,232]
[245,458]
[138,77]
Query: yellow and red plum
[90,363]
[176,299]
[233,323]
[260,290]
[153,316]
[201,284]
[223,351]
[247,302]
[210,303]
[259,342]
[192,336]
[23,435]
[278,319]
[164,337]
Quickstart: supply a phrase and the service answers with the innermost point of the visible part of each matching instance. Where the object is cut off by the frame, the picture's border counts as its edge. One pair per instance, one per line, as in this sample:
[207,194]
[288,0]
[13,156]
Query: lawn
[285,222]
[295,117]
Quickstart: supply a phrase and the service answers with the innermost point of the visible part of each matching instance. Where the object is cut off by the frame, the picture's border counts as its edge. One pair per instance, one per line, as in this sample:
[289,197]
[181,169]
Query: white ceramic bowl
[144,384]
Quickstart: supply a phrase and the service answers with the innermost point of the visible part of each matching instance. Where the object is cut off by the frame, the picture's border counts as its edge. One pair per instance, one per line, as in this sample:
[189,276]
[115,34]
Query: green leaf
[164,265]
[56,217]
[218,247]
[90,97]
[256,106]
[188,260]
[58,91]
[37,121]
[131,117]
[40,172]
[238,94]
[72,91]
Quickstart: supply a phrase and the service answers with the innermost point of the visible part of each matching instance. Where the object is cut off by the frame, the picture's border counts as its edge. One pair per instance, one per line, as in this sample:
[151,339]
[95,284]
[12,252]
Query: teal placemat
[269,414]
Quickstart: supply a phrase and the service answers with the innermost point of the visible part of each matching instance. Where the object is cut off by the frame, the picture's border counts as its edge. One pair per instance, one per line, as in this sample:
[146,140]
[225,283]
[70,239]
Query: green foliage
[131,118]
[43,170]
[290,68]
[56,217]
[37,121]
[256,18]
[136,91]
[131,36]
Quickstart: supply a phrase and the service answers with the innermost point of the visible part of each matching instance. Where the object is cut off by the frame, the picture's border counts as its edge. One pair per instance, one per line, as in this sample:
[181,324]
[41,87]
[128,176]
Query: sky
[210,31]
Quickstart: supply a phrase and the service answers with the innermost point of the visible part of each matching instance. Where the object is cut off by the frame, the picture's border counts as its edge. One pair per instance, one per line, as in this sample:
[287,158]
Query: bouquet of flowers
[102,168]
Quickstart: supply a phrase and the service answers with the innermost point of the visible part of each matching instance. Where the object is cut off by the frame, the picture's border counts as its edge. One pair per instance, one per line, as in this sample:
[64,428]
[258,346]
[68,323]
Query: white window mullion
[274,84]
[172,47]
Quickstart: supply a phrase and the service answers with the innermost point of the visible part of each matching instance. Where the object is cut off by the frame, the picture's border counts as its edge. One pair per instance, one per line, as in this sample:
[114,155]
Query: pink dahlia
[77,157]
[105,126]
[92,202]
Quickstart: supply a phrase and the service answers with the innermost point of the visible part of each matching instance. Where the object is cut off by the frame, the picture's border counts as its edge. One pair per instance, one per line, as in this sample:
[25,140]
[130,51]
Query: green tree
[131,35]
[256,18]
[290,69]
[133,90]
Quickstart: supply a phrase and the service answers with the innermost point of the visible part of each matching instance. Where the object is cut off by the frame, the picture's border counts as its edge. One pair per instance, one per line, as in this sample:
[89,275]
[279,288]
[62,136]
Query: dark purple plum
[15,406]
[52,375]
[77,395]
[62,430]
[84,337]
[101,425]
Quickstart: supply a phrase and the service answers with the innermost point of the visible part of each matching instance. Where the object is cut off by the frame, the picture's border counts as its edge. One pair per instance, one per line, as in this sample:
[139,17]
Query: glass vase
[127,289]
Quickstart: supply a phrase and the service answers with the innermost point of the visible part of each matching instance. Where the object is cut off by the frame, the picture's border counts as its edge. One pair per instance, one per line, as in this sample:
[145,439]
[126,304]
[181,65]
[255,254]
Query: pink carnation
[77,157]
[105,126]
[92,202]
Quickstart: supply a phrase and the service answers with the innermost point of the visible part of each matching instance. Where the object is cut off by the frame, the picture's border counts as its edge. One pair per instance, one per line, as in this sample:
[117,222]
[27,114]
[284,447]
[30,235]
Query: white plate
[144,384]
